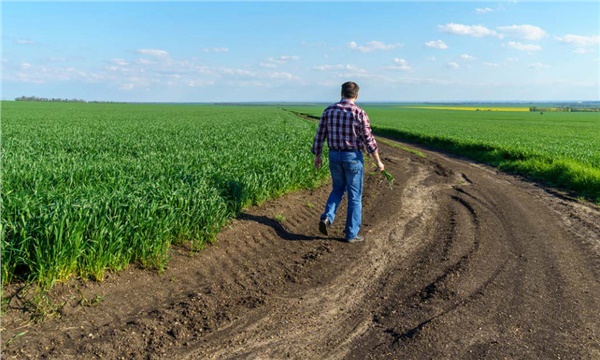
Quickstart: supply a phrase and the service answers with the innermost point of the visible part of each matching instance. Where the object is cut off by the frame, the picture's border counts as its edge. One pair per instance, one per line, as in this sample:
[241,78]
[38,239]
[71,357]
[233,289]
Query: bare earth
[459,262]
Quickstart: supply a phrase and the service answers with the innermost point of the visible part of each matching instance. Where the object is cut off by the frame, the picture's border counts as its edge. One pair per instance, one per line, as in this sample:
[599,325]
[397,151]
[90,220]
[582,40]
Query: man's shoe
[324,225]
[357,238]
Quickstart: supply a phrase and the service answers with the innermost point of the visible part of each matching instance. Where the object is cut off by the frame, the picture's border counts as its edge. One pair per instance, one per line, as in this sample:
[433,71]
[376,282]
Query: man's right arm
[320,136]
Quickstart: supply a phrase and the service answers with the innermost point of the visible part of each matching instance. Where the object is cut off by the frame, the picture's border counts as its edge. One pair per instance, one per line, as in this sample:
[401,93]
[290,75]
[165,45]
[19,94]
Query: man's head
[350,90]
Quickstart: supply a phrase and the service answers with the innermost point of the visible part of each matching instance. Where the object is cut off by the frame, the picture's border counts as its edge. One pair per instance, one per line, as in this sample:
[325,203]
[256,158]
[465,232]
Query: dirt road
[459,262]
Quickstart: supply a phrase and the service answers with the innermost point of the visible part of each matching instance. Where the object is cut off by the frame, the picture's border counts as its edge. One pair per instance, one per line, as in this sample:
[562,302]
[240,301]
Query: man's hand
[375,156]
[318,162]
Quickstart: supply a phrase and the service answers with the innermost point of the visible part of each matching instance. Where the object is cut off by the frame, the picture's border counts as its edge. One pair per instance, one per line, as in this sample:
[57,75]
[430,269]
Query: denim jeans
[347,174]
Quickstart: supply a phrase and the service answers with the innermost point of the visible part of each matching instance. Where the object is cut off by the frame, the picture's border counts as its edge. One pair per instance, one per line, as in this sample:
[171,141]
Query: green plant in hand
[389,177]
[386,175]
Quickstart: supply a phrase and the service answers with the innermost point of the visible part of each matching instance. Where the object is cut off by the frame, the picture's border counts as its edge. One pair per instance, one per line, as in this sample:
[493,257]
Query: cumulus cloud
[470,30]
[483,10]
[153,52]
[236,72]
[437,44]
[281,75]
[452,65]
[399,64]
[467,57]
[40,74]
[347,67]
[120,62]
[372,46]
[216,50]
[579,40]
[24,42]
[538,65]
[583,51]
[199,83]
[523,47]
[528,32]
[491,64]
[274,62]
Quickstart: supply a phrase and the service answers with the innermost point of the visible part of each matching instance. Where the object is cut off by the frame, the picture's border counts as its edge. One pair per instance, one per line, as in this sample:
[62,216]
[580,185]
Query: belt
[344,150]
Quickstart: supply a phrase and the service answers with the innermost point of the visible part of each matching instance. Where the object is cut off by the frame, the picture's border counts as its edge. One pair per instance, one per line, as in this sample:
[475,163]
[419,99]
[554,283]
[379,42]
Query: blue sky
[301,51]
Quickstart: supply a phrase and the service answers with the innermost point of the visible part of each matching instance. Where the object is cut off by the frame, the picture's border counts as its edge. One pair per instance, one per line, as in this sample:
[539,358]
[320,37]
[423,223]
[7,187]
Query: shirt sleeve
[368,139]
[320,136]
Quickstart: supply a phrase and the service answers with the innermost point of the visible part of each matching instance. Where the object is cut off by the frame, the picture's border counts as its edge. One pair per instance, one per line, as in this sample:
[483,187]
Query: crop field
[88,188]
[471,108]
[558,148]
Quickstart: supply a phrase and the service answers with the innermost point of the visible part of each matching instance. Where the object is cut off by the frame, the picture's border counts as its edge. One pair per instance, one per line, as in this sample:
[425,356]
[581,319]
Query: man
[348,131]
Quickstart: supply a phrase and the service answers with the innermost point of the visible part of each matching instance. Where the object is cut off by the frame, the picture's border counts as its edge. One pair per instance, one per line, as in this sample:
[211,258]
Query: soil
[459,262]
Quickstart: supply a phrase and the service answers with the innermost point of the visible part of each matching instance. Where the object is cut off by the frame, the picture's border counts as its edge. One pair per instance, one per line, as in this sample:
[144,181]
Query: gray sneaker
[357,238]
[324,225]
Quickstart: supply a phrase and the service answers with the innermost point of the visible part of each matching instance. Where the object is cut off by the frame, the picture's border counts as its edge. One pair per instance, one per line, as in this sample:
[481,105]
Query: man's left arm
[370,143]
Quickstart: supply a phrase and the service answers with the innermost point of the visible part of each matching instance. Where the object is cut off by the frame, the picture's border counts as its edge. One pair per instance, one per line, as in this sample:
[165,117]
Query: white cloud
[538,65]
[491,64]
[199,83]
[337,67]
[528,32]
[399,64]
[437,44]
[583,51]
[153,52]
[120,62]
[372,46]
[274,62]
[453,65]
[470,30]
[41,74]
[523,47]
[216,50]
[483,10]
[467,57]
[580,41]
[24,42]
[281,75]
[236,72]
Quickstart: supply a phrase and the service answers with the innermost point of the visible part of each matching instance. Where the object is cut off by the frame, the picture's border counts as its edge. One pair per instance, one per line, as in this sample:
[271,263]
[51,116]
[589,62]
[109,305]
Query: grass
[91,188]
[472,108]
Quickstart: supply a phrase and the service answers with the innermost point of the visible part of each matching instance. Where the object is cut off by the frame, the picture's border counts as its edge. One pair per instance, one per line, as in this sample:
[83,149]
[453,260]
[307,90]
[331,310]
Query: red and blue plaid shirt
[346,127]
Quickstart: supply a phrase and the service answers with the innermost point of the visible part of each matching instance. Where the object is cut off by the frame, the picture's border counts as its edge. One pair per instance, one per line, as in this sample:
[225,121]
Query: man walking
[348,131]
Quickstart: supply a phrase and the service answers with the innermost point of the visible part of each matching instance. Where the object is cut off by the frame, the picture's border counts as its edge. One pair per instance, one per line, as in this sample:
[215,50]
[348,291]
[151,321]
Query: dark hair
[350,90]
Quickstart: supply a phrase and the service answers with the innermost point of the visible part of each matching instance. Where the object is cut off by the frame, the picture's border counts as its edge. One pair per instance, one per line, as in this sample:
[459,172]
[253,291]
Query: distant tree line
[42,99]
[565,109]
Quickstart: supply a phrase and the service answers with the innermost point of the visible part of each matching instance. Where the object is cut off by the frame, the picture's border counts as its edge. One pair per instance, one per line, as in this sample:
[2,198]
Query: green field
[561,149]
[88,188]
[92,187]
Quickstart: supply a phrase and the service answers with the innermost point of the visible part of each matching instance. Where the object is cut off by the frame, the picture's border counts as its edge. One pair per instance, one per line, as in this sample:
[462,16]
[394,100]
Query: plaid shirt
[345,126]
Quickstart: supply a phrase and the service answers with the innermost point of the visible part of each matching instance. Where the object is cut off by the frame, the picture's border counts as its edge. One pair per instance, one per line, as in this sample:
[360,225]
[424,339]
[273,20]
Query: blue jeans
[347,174]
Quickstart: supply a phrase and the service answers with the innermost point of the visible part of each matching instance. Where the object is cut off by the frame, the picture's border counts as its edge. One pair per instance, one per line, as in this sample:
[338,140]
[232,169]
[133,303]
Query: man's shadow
[280,230]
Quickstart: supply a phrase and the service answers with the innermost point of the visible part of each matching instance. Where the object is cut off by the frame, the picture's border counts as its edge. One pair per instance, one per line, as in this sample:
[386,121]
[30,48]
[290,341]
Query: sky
[398,51]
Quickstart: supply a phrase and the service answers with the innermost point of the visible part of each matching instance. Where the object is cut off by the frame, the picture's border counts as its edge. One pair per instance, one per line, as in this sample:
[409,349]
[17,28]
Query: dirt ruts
[459,262]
